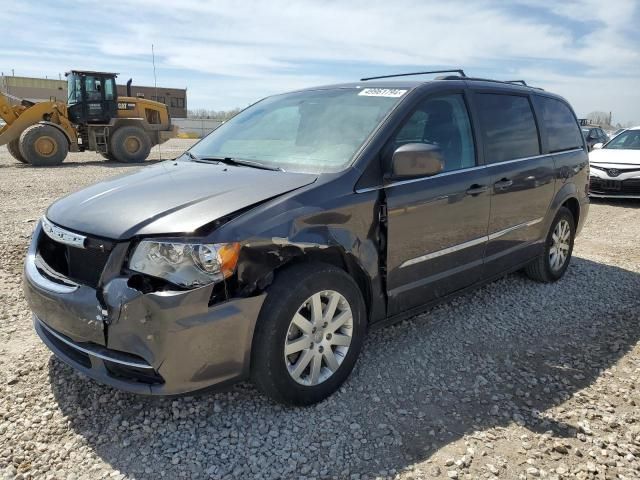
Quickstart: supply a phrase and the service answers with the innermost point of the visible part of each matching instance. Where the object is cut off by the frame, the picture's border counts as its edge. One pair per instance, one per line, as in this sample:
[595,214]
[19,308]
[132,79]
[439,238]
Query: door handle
[476,189]
[503,184]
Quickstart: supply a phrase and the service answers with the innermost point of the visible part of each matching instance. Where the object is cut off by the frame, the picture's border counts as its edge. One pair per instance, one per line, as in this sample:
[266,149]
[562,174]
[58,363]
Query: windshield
[73,89]
[627,140]
[312,131]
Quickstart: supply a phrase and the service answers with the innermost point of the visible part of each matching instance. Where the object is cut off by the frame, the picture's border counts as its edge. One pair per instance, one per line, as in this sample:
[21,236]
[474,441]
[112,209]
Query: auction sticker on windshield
[382,92]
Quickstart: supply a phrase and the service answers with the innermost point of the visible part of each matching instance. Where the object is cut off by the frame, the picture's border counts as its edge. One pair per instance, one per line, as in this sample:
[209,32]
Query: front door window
[93,87]
[444,122]
[109,89]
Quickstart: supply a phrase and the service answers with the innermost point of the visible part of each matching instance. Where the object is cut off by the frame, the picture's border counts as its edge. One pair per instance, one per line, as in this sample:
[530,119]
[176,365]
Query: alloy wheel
[560,244]
[318,338]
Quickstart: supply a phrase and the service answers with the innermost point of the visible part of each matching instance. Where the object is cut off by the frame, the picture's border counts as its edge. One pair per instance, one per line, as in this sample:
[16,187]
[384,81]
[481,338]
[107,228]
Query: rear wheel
[129,145]
[108,156]
[14,149]
[43,145]
[557,250]
[309,334]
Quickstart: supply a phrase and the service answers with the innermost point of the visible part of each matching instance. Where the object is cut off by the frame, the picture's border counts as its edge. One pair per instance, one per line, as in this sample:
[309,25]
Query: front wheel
[309,334]
[557,251]
[14,149]
[43,145]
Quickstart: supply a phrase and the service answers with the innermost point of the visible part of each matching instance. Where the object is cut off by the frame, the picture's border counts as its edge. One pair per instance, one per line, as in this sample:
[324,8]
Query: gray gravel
[515,380]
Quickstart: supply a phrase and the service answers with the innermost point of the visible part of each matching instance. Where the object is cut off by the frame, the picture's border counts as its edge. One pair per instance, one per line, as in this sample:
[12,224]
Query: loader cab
[92,97]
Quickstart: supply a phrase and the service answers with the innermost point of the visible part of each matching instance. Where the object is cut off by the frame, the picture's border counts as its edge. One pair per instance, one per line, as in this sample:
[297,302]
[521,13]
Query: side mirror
[597,146]
[416,160]
[593,135]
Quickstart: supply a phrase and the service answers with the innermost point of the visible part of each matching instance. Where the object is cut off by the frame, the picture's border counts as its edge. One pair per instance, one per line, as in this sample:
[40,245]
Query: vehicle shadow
[616,202]
[84,163]
[505,353]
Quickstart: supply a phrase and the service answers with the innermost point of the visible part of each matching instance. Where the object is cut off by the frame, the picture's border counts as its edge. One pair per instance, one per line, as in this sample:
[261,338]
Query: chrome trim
[61,235]
[92,352]
[43,282]
[420,179]
[516,160]
[452,172]
[470,243]
[500,233]
[445,251]
[568,151]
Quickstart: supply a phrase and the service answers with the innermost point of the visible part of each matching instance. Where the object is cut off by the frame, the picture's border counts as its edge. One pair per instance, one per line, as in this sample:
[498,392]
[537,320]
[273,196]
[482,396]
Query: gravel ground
[515,380]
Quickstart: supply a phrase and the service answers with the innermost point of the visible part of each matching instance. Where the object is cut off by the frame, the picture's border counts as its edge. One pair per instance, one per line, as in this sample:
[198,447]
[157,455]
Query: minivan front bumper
[160,343]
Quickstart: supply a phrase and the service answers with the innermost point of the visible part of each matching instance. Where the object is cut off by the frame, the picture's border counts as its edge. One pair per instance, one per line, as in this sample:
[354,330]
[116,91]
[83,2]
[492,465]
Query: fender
[55,125]
[566,192]
[342,230]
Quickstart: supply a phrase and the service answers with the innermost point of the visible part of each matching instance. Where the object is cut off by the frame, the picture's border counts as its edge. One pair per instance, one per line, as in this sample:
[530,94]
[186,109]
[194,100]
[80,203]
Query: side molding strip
[470,243]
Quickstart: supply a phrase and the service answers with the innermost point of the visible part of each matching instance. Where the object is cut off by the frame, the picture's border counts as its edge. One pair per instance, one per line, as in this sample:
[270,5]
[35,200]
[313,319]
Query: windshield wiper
[235,161]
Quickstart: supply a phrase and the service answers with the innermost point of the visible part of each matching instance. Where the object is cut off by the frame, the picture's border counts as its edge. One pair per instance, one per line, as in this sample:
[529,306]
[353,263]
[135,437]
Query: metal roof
[90,72]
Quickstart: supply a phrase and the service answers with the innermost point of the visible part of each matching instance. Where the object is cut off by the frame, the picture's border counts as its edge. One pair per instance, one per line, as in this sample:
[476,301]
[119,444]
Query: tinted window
[441,121]
[109,88]
[509,127]
[93,87]
[563,132]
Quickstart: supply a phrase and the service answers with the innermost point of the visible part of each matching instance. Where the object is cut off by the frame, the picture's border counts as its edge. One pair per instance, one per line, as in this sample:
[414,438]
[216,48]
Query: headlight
[184,263]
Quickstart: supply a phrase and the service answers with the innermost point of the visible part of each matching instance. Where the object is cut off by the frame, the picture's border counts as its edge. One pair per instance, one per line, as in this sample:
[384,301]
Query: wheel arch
[567,196]
[339,258]
[573,205]
[59,128]
[283,257]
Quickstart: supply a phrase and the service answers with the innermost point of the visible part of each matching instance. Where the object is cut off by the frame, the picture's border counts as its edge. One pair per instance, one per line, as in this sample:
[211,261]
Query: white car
[615,166]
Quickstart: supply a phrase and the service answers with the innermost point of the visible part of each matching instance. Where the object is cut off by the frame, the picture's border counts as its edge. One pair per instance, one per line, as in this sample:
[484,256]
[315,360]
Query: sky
[231,53]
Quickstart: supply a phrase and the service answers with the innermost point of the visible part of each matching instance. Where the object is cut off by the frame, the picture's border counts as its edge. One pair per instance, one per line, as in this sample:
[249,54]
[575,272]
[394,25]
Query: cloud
[228,51]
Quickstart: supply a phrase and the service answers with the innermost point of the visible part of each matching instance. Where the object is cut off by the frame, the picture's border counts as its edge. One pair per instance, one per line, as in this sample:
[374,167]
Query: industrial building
[38,89]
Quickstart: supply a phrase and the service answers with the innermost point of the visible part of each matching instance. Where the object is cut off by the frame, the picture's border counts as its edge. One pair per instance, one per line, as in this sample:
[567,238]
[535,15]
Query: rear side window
[563,132]
[509,127]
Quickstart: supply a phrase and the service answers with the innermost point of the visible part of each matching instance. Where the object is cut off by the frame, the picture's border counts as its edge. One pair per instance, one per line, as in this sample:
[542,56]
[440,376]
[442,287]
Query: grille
[115,367]
[133,374]
[82,265]
[74,354]
[615,187]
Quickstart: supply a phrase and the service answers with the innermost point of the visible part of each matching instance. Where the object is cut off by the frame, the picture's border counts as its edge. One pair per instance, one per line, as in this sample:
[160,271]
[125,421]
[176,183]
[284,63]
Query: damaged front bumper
[161,343]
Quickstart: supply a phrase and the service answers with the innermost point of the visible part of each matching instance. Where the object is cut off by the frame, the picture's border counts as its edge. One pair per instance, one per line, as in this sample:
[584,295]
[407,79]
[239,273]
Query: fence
[198,127]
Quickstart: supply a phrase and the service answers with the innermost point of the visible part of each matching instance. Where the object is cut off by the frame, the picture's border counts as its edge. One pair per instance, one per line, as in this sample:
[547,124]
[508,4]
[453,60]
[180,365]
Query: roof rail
[460,71]
[517,81]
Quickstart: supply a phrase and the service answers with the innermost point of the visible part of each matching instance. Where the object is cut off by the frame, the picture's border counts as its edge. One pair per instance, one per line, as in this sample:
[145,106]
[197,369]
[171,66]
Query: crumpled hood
[170,197]
[615,156]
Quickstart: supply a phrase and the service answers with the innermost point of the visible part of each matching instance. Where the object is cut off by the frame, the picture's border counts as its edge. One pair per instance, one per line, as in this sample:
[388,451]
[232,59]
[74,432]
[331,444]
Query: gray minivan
[269,248]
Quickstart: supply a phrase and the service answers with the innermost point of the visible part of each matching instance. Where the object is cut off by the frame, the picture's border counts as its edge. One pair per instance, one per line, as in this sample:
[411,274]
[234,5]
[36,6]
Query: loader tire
[14,149]
[43,145]
[108,156]
[129,145]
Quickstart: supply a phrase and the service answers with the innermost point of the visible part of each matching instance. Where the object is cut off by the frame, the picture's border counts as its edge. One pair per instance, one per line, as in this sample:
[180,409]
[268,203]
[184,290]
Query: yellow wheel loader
[94,118]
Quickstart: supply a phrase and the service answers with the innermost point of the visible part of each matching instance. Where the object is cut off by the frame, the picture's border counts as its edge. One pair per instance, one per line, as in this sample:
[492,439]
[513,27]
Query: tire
[286,297]
[108,156]
[129,145]
[43,145]
[543,269]
[14,149]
